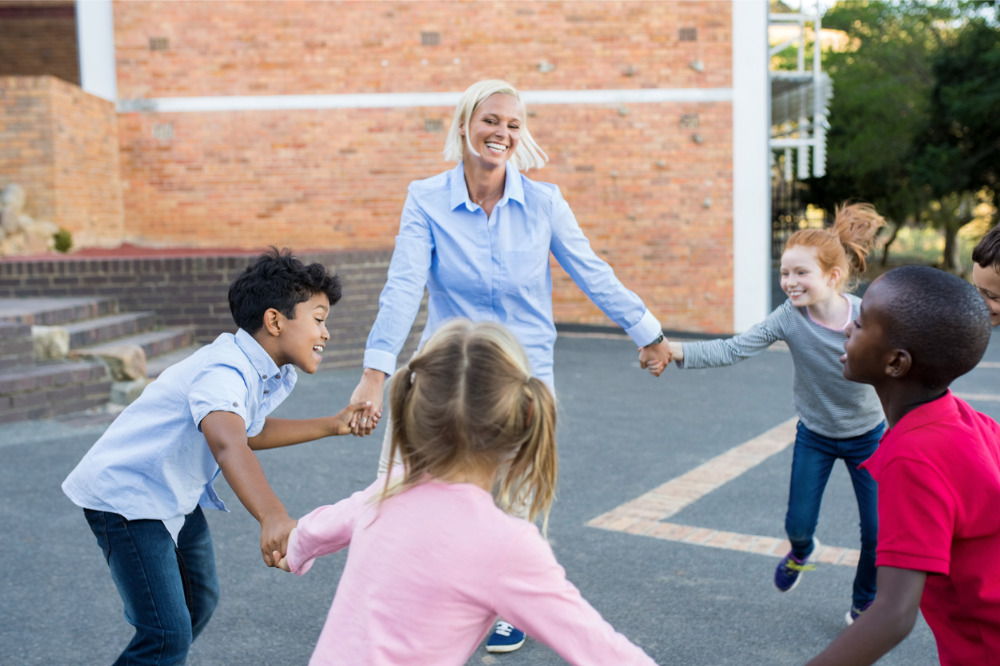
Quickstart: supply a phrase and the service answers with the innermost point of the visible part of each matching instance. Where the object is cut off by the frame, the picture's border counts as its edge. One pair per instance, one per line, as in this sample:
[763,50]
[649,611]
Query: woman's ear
[273,321]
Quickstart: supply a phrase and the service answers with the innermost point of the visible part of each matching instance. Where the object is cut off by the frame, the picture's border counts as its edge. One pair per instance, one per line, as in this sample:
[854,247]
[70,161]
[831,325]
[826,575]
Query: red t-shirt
[938,473]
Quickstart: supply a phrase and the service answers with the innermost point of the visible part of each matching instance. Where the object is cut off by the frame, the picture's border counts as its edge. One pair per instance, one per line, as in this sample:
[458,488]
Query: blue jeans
[812,462]
[169,591]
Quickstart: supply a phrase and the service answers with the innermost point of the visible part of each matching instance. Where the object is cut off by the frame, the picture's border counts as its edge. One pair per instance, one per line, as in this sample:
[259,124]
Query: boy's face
[987,281]
[866,350]
[303,338]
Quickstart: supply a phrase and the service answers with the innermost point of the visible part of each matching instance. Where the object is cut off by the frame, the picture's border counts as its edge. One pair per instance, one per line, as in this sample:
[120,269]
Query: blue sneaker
[506,638]
[787,575]
[855,613]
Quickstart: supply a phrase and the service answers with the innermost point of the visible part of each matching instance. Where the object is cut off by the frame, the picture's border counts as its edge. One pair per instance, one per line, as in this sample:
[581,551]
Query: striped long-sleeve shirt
[826,403]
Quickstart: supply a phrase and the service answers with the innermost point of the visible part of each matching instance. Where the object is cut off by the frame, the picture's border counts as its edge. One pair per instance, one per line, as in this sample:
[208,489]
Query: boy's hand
[274,534]
[342,420]
[655,358]
[369,390]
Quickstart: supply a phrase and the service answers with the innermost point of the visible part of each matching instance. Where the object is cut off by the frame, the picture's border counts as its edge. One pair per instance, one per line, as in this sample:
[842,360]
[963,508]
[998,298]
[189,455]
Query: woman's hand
[368,390]
[655,358]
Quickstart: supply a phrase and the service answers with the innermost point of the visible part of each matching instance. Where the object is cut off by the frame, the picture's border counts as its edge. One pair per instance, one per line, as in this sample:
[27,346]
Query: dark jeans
[812,462]
[169,591]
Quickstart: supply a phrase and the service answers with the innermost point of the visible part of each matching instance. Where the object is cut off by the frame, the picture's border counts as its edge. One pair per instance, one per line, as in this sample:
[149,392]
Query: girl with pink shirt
[435,554]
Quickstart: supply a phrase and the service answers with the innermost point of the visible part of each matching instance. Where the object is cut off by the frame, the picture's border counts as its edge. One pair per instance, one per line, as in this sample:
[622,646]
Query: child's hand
[281,562]
[344,418]
[676,352]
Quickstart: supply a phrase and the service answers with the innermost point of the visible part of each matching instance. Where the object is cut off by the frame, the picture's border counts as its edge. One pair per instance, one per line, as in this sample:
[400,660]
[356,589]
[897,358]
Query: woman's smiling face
[494,129]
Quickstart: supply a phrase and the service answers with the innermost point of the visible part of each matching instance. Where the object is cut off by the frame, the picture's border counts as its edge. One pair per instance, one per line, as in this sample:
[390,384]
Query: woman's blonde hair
[467,402]
[846,244]
[526,156]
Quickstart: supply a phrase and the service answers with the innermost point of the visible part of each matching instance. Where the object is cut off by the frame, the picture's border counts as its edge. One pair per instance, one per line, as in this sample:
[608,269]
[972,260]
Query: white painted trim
[95,36]
[751,173]
[403,100]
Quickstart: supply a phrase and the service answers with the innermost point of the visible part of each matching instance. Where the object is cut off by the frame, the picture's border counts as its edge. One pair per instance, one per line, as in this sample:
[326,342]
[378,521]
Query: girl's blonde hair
[846,244]
[526,156]
[467,402]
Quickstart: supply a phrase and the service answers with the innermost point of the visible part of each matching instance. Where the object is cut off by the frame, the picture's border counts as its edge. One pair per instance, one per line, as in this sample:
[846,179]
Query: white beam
[95,35]
[751,174]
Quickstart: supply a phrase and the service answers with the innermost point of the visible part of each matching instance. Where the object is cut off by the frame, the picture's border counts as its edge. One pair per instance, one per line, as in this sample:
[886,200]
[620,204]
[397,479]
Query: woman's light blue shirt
[493,269]
[153,462]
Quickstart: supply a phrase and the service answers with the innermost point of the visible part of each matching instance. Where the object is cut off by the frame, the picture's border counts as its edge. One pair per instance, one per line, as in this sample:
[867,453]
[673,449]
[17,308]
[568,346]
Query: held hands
[274,533]
[655,358]
[342,421]
[368,391]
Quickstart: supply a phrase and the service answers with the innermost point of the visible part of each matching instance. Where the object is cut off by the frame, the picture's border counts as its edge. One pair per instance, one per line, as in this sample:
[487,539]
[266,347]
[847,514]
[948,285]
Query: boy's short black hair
[939,318]
[277,280]
[987,250]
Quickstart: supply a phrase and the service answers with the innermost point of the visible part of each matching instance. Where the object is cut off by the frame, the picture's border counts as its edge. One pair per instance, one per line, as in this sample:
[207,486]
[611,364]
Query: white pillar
[751,174]
[95,35]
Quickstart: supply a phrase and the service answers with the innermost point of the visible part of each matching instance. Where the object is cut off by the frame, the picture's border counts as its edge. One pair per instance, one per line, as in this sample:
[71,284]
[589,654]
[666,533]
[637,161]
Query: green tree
[960,152]
[881,111]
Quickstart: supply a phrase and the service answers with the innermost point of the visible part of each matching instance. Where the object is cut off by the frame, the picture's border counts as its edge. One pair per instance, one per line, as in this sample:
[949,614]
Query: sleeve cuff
[380,360]
[646,330]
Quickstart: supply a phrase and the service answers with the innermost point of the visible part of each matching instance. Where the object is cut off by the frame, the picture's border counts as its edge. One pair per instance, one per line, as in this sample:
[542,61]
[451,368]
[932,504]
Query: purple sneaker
[787,575]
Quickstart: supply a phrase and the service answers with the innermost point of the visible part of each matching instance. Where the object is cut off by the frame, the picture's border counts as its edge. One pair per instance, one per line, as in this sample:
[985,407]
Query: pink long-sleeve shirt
[429,571]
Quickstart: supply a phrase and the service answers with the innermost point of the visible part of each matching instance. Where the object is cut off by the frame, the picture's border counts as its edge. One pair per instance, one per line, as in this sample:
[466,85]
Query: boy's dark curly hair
[276,279]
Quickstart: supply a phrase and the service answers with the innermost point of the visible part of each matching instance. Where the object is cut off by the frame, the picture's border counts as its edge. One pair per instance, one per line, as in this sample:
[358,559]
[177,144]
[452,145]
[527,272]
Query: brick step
[44,390]
[92,332]
[153,343]
[55,311]
[16,347]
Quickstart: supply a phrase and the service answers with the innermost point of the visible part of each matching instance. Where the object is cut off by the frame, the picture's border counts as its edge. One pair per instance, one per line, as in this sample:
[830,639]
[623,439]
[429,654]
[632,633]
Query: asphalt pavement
[621,434]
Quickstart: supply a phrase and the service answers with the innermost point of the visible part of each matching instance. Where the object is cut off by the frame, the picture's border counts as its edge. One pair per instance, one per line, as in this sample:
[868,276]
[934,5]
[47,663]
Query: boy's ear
[899,364]
[272,322]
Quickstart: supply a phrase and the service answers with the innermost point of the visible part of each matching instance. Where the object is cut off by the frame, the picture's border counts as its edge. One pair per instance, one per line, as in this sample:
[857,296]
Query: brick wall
[193,290]
[276,47]
[37,38]
[61,145]
[654,201]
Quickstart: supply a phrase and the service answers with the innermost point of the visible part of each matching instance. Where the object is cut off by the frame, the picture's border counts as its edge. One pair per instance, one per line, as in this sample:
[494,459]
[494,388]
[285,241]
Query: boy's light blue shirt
[153,462]
[494,269]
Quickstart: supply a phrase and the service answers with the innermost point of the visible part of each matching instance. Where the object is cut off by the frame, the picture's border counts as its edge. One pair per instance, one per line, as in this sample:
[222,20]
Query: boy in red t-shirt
[937,468]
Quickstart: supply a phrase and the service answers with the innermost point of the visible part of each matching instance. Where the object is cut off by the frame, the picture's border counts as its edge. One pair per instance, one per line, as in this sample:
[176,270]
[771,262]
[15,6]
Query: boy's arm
[887,621]
[227,438]
[285,432]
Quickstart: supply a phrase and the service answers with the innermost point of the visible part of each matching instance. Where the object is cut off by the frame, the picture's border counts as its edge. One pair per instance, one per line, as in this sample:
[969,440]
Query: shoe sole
[849,619]
[504,648]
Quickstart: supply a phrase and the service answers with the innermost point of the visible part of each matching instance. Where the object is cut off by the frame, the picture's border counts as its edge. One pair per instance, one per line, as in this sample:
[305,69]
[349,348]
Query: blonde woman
[478,238]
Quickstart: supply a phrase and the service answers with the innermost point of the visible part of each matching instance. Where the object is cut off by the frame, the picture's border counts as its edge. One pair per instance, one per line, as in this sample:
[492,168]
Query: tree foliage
[914,121]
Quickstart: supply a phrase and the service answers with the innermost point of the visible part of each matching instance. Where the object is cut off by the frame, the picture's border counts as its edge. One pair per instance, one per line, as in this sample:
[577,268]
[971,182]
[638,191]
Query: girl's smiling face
[802,278]
[494,129]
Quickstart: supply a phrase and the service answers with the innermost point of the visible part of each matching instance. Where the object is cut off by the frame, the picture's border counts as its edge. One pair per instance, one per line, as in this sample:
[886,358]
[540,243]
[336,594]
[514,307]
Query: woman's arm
[398,305]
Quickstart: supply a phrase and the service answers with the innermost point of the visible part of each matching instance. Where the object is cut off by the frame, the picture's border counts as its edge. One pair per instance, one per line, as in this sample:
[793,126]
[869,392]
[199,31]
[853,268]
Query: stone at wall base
[125,362]
[50,342]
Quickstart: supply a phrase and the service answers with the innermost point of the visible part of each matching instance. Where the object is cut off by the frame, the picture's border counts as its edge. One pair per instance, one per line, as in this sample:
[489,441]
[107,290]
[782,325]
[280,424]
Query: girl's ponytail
[530,478]
[856,226]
